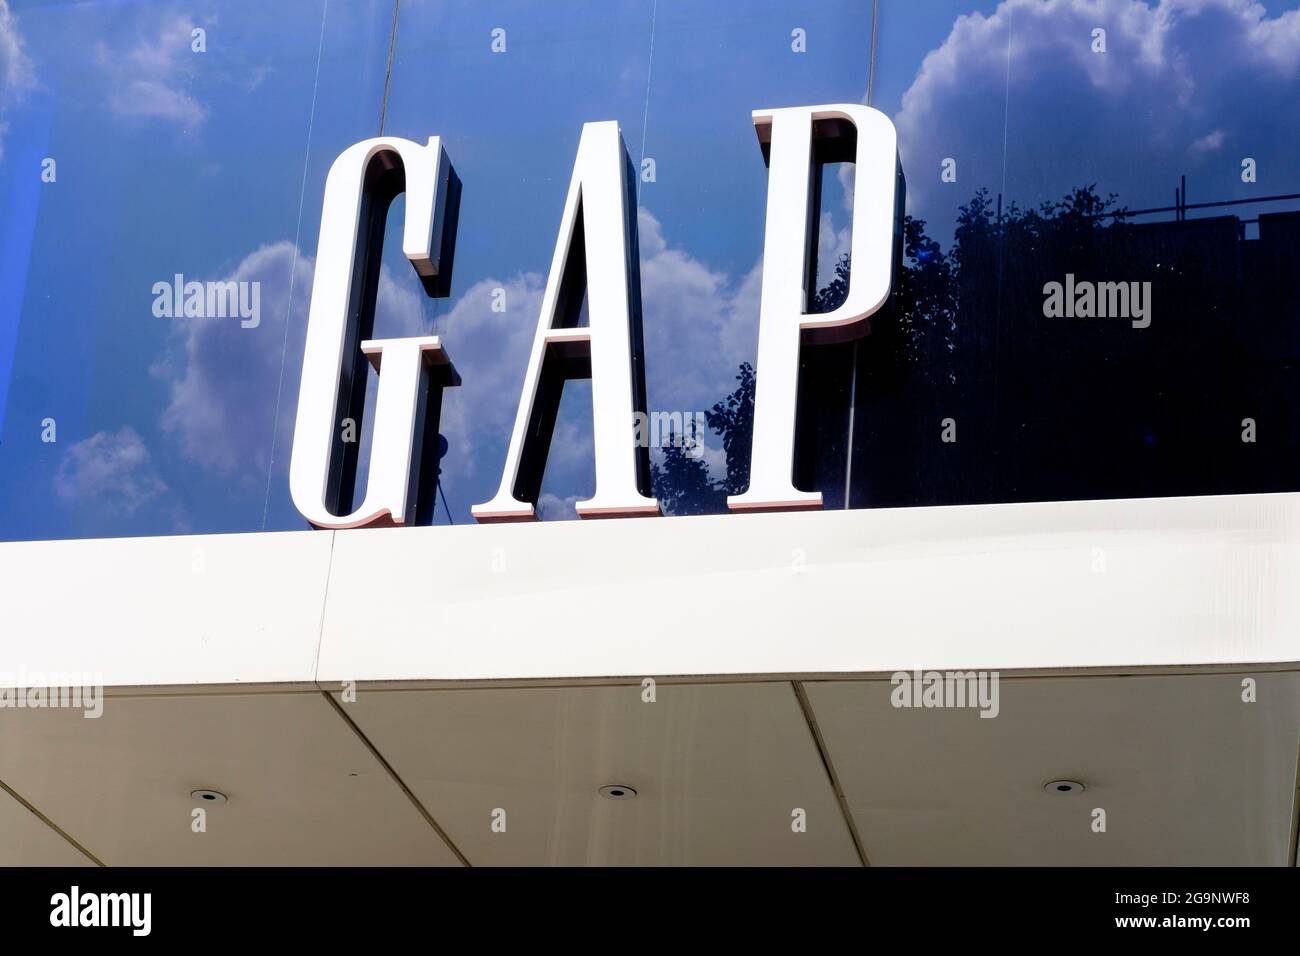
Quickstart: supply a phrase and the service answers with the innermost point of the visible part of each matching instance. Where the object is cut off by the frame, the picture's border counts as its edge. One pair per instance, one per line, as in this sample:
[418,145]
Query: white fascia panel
[1057,586]
[1054,586]
[166,611]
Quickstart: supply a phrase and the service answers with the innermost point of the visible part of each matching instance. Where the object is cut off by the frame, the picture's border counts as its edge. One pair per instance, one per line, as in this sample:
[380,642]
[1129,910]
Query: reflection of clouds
[111,471]
[699,324]
[148,79]
[16,73]
[490,351]
[831,244]
[715,458]
[1178,81]
[554,508]
[1209,142]
[713,455]
[224,380]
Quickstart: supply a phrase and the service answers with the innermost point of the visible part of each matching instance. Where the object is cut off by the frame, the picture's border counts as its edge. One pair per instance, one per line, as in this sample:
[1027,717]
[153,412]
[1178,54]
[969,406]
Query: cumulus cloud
[490,350]
[226,381]
[234,390]
[554,508]
[1026,75]
[831,244]
[700,323]
[714,457]
[1209,142]
[711,453]
[17,75]
[149,79]
[114,471]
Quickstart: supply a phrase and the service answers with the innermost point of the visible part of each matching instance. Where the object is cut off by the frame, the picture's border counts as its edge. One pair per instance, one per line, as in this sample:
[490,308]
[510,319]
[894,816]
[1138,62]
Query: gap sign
[597,246]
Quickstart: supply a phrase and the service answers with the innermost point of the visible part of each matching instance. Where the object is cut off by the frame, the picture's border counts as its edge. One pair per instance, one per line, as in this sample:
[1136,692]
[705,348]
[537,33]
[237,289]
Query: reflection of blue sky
[170,161]
[1185,87]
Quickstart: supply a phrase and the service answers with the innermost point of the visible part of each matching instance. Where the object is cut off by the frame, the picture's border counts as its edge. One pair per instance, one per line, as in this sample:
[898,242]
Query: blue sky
[213,164]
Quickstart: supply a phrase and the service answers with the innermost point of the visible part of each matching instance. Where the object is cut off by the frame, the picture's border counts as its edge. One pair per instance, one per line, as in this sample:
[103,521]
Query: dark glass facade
[190,142]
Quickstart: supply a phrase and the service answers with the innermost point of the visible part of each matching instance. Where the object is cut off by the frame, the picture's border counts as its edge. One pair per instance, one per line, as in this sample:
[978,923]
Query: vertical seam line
[388,71]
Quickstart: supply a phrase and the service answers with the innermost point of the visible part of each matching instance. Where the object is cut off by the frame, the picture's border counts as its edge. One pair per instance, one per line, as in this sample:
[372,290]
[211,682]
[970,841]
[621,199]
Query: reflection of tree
[927,293]
[681,482]
[733,419]
[832,295]
[1046,408]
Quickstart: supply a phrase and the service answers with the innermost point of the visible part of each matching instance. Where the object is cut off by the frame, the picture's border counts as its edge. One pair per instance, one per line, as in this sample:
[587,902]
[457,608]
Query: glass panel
[1145,170]
[682,80]
[137,154]
[508,87]
[1096,298]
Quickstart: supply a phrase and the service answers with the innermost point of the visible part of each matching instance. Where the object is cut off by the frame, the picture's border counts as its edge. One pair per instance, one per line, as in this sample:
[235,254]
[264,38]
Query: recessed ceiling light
[617,791]
[208,796]
[1064,786]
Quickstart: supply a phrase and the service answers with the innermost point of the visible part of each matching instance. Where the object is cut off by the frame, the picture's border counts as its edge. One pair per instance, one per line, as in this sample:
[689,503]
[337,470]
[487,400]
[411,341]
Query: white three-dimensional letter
[403,364]
[783,317]
[600,213]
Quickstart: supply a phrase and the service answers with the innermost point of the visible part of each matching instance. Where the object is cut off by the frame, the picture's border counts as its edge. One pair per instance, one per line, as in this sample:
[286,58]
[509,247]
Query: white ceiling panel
[303,788]
[1186,772]
[27,840]
[719,771]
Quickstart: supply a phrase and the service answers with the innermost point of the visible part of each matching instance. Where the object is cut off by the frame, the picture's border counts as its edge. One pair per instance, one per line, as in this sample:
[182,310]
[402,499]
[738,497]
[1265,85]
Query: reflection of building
[1056,408]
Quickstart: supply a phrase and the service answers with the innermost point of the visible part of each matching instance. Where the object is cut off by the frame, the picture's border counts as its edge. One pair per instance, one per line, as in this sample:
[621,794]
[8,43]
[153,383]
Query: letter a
[597,245]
